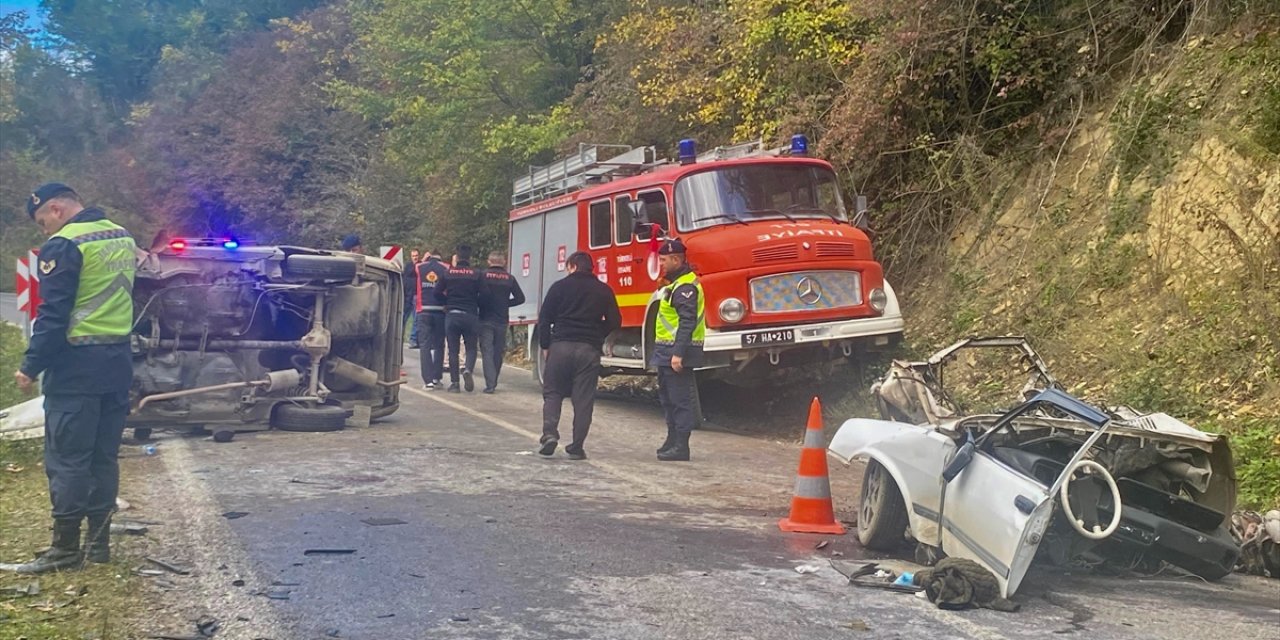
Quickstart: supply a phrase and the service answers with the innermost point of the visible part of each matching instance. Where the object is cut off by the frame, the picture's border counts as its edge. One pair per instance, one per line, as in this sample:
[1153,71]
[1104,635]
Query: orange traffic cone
[811,508]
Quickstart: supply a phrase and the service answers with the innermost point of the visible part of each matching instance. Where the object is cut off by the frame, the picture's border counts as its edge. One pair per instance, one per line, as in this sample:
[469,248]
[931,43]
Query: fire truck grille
[836,250]
[773,254]
[806,291]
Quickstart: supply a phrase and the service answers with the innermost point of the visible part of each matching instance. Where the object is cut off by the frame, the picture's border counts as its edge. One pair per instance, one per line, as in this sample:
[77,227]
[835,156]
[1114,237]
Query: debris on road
[128,528]
[807,568]
[858,625]
[232,515]
[822,545]
[224,436]
[959,583]
[383,522]
[460,618]
[328,552]
[167,566]
[208,626]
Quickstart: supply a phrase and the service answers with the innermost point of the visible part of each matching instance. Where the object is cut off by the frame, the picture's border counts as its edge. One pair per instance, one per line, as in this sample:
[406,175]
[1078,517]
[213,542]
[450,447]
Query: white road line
[640,481]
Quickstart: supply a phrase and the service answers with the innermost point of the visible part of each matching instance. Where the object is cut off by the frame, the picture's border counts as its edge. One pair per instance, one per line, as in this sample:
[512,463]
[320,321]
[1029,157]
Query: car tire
[320,267]
[294,417]
[142,434]
[882,513]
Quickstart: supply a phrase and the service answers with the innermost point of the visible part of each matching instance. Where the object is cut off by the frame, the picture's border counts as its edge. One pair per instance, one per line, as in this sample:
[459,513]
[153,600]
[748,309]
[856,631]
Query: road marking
[613,470]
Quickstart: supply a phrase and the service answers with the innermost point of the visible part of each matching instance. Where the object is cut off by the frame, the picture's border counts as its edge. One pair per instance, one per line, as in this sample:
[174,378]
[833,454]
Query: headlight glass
[878,299]
[732,310]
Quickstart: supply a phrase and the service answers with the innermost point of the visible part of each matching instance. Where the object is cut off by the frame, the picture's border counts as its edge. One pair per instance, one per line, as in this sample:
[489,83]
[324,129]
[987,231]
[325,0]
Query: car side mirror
[963,457]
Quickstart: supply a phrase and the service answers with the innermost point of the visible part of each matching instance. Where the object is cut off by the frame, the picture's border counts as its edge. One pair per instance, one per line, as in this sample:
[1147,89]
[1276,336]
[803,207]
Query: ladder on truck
[587,167]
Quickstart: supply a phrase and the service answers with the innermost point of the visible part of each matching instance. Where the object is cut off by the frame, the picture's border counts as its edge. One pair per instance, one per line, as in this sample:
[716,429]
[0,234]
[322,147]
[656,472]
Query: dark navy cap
[670,246]
[350,242]
[45,193]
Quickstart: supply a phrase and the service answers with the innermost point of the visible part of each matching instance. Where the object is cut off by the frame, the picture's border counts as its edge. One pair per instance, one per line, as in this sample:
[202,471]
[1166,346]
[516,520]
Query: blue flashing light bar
[230,243]
[688,151]
[799,145]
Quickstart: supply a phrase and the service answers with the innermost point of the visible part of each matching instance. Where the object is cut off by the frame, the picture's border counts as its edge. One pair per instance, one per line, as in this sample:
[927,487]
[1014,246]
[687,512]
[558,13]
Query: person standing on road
[409,279]
[678,337]
[80,343]
[430,321]
[460,289]
[577,315]
[500,293]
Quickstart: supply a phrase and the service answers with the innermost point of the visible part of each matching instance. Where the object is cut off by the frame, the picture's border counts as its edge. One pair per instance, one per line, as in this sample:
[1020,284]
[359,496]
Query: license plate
[768,338]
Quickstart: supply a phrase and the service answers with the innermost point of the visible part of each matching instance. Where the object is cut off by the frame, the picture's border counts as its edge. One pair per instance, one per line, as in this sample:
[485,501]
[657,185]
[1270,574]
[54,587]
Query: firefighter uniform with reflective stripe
[80,343]
[679,331]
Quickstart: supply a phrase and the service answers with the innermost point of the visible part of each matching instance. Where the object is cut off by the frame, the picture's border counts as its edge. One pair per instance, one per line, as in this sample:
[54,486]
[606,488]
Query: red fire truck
[789,278]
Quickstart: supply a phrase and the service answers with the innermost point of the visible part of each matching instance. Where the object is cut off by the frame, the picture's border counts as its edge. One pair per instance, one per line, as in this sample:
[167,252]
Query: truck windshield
[757,191]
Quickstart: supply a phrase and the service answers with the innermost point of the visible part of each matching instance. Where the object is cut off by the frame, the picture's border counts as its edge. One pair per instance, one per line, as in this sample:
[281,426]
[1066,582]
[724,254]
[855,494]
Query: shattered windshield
[739,194]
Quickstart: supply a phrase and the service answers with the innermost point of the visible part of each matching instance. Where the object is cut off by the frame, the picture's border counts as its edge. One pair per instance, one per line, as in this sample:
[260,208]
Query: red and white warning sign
[562,256]
[392,253]
[27,280]
[524,265]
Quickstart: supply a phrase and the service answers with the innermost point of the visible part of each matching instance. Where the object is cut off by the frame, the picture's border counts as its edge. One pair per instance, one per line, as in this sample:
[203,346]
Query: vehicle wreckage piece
[983,486]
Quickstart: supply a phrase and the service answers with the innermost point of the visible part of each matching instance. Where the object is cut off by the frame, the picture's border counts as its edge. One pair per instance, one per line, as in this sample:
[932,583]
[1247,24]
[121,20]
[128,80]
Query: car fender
[908,453]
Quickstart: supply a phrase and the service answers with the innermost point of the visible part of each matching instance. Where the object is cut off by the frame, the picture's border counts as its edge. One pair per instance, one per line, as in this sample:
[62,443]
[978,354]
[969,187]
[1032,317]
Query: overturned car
[233,336]
[1053,478]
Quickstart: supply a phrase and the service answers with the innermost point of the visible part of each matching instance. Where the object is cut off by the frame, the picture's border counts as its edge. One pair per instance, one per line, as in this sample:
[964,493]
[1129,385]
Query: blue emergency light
[230,243]
[799,145]
[688,151]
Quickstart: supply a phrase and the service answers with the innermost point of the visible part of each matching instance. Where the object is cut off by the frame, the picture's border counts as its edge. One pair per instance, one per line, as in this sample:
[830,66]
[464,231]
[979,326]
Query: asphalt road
[499,543]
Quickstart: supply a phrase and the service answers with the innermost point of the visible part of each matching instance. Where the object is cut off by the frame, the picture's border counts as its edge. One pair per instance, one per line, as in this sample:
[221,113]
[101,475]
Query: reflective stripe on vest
[669,318]
[103,312]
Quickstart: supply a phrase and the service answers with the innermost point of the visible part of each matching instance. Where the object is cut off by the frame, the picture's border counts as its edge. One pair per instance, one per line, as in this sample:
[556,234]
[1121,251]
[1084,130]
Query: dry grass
[94,603]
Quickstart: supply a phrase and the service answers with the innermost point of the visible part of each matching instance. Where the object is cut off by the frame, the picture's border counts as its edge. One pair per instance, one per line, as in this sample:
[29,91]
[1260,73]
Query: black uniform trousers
[82,435]
[465,328]
[431,333]
[678,393]
[493,348]
[572,370]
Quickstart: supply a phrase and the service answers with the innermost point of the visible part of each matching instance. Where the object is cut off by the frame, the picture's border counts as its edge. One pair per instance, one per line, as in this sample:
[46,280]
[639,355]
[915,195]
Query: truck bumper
[881,330]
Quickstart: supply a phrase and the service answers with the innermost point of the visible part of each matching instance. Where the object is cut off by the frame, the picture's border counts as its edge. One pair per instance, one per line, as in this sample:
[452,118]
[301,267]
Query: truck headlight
[732,310]
[878,299]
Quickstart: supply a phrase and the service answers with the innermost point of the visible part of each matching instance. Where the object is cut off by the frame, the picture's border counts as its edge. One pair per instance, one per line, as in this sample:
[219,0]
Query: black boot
[679,452]
[97,540]
[64,553]
[670,441]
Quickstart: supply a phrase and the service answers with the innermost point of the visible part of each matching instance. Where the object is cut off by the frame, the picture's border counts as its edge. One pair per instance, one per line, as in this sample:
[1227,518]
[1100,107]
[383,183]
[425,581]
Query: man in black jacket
[500,293]
[577,315]
[460,289]
[431,330]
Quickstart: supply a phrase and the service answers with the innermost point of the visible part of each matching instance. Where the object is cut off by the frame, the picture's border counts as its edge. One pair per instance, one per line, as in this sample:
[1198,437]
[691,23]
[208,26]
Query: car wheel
[142,434]
[882,514]
[320,267]
[296,417]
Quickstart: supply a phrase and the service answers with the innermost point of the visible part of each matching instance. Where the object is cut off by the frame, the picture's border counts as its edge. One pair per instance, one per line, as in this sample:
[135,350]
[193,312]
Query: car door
[996,517]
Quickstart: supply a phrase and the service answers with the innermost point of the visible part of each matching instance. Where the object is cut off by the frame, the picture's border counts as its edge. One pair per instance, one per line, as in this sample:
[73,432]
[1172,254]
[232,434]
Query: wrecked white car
[232,336]
[1054,477]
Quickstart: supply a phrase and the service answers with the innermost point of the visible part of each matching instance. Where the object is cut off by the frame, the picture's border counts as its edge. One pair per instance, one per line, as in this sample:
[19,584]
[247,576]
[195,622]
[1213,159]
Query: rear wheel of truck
[296,417]
[882,514]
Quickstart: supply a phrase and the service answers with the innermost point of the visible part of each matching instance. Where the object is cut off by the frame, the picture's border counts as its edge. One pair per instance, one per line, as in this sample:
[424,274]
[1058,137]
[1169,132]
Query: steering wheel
[1089,467]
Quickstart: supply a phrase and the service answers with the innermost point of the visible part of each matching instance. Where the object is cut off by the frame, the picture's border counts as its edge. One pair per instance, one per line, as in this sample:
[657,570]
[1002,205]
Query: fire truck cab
[789,279]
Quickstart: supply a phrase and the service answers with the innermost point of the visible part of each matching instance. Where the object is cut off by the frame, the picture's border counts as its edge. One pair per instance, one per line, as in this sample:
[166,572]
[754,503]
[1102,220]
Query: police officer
[500,293]
[460,289]
[81,344]
[678,337]
[430,323]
